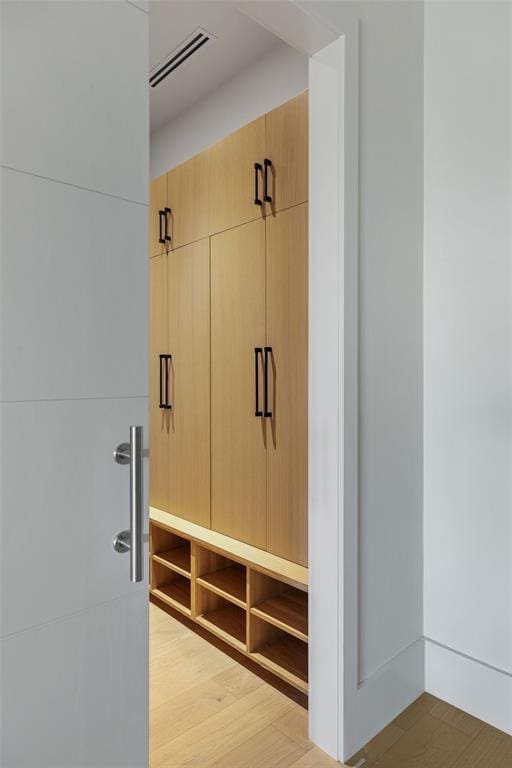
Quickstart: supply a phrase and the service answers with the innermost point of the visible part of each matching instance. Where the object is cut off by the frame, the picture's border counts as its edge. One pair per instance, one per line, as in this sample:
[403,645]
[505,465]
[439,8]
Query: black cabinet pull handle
[257,352]
[164,385]
[167,236]
[161,401]
[268,164]
[267,413]
[161,215]
[257,169]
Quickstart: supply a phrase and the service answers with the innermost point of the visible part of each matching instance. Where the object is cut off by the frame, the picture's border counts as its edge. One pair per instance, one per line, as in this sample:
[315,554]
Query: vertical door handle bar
[167,236]
[164,400]
[257,352]
[161,403]
[268,164]
[257,169]
[267,413]
[161,215]
[132,541]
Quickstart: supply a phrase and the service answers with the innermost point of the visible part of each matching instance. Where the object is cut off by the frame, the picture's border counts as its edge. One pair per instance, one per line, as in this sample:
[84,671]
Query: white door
[73,378]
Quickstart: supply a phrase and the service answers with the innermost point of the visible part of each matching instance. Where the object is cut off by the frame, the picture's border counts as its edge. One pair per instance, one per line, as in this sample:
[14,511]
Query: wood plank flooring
[433,734]
[208,711]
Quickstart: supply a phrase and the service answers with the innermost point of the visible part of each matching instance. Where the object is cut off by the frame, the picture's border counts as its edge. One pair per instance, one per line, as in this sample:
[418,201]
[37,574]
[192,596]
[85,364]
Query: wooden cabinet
[180,382]
[229,305]
[286,146]
[188,197]
[189,344]
[157,214]
[238,436]
[232,177]
[287,335]
[159,416]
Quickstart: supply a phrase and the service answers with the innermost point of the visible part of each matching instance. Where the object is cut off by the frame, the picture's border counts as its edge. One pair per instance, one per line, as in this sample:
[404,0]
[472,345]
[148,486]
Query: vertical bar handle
[268,164]
[161,215]
[136,495]
[132,540]
[257,352]
[167,237]
[267,413]
[161,384]
[257,169]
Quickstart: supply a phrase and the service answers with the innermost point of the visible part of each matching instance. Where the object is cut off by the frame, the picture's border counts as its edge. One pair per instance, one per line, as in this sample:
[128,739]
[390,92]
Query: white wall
[468,356]
[73,377]
[281,74]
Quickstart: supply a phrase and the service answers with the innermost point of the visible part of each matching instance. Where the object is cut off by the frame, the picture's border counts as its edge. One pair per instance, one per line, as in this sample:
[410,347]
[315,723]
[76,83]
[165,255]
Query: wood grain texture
[189,196]
[286,145]
[189,344]
[433,734]
[287,334]
[273,730]
[288,611]
[264,562]
[232,177]
[238,455]
[229,582]
[157,201]
[159,419]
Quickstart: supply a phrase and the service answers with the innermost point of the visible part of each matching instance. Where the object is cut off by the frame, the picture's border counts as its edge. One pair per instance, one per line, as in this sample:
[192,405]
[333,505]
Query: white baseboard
[482,691]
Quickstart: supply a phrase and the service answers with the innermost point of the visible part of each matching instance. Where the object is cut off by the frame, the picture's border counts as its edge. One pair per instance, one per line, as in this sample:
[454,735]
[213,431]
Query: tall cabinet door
[232,180]
[157,203]
[159,419]
[287,335]
[286,140]
[238,435]
[188,196]
[189,344]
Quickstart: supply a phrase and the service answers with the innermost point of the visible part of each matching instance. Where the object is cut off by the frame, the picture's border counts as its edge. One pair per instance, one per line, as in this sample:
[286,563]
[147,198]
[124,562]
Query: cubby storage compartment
[170,550]
[278,604]
[222,576]
[171,587]
[279,652]
[221,617]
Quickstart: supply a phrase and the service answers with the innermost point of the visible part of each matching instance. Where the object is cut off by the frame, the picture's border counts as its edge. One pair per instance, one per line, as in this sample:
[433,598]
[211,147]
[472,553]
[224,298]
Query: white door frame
[333,365]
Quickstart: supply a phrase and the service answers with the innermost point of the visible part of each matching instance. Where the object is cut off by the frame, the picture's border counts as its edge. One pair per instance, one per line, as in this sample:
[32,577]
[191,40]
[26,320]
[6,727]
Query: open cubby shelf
[227,622]
[288,611]
[260,611]
[229,582]
[177,559]
[176,593]
[286,657]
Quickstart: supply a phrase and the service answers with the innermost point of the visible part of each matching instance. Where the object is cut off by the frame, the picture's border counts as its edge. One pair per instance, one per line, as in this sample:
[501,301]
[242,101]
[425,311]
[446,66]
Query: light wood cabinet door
[159,419]
[286,140]
[189,344]
[287,334]
[157,203]
[188,197]
[238,436]
[232,189]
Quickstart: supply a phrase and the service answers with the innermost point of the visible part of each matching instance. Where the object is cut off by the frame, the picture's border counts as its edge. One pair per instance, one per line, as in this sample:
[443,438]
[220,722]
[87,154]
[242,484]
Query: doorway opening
[228,248]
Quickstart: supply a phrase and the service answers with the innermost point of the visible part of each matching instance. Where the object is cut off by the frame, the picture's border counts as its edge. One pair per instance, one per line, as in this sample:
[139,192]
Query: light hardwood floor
[208,711]
[432,734]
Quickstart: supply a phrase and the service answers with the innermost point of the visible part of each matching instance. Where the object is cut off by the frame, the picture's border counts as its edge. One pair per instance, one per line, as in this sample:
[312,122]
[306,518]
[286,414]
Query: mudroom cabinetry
[229,360]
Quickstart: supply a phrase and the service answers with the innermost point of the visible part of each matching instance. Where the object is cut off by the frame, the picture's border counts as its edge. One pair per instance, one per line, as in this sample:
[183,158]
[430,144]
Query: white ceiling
[240,41]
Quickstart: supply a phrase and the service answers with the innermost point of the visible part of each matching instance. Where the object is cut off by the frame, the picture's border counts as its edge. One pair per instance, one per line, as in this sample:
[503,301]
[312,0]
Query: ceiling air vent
[182,53]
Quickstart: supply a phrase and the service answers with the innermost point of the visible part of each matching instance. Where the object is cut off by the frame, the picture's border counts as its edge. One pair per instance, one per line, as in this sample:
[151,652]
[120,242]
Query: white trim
[484,692]
[333,362]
